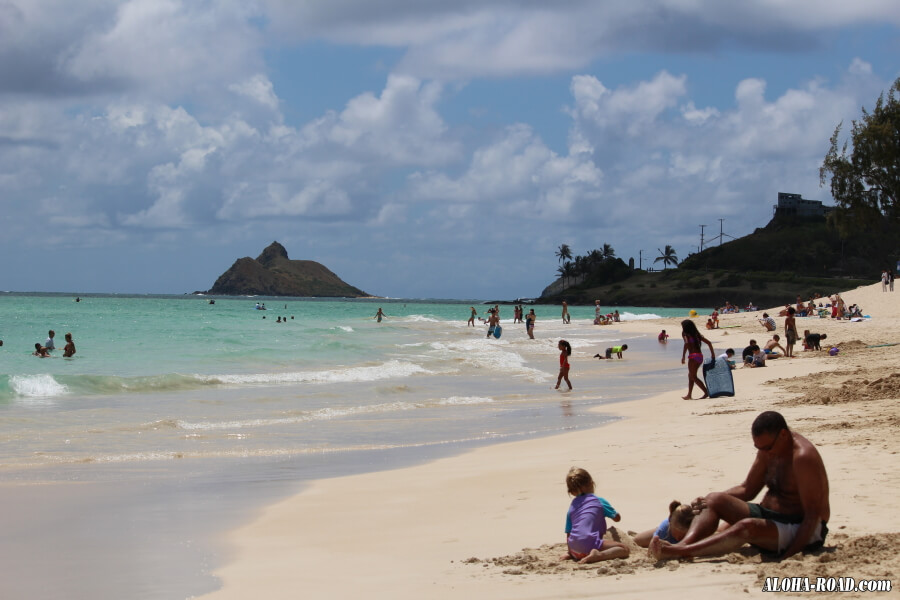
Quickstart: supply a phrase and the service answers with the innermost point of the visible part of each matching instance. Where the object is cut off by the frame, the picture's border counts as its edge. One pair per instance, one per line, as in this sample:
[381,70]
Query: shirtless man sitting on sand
[792,515]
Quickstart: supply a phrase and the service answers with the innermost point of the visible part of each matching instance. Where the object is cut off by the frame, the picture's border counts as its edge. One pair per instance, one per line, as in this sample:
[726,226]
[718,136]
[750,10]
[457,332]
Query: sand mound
[841,387]
[545,560]
[862,557]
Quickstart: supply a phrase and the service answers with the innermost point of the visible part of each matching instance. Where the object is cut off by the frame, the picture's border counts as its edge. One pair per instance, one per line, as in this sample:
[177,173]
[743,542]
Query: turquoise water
[158,378]
[177,418]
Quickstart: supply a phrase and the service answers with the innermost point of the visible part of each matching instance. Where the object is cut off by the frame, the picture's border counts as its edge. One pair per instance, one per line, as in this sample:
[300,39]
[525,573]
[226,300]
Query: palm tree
[608,252]
[564,253]
[667,256]
[595,257]
[561,271]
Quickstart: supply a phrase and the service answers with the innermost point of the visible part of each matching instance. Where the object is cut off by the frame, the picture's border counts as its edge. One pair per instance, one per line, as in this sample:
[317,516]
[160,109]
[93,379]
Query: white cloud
[467,38]
[630,110]
[518,175]
[399,127]
[259,89]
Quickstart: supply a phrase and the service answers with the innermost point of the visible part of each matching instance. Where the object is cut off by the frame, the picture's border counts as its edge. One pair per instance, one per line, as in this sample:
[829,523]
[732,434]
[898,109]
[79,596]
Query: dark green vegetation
[701,288]
[865,182]
[272,273]
[789,256]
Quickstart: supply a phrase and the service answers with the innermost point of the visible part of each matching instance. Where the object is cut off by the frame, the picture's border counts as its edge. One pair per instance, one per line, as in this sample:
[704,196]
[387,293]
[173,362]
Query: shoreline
[443,528]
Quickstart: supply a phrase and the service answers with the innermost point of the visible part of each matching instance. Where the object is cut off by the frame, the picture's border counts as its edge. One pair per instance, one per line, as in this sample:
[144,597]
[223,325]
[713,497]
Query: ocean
[178,417]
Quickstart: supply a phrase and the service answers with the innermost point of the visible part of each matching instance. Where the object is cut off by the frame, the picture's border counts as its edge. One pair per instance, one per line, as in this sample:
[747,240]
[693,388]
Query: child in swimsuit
[565,350]
[672,529]
[692,340]
[586,522]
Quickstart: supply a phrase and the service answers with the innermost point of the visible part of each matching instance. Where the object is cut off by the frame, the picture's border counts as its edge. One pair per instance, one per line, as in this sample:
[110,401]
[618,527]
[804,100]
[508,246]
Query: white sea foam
[36,386]
[460,400]
[346,328]
[633,317]
[387,370]
[421,319]
[487,354]
[324,414]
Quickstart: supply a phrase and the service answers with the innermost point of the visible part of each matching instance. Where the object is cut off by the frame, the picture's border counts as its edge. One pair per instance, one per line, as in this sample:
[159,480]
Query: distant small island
[272,273]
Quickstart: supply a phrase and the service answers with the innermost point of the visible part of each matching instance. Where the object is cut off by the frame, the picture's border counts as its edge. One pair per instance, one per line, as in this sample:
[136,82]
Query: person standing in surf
[69,350]
[493,321]
[693,350]
[565,351]
[530,318]
[379,315]
[565,313]
[471,320]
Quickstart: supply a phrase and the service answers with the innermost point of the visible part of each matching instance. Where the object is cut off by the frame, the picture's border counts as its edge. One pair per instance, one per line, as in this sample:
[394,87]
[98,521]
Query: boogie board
[497,331]
[718,378]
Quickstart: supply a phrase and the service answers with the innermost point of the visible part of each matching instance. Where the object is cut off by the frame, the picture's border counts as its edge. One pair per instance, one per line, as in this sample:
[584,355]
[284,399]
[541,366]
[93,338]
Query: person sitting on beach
[756,359]
[714,317]
[672,529]
[616,317]
[728,357]
[617,350]
[40,350]
[663,336]
[768,322]
[69,349]
[747,354]
[770,346]
[709,324]
[586,522]
[792,516]
[813,340]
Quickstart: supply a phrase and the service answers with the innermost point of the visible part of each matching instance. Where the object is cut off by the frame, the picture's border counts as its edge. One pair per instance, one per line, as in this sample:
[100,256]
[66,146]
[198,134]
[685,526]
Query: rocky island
[272,273]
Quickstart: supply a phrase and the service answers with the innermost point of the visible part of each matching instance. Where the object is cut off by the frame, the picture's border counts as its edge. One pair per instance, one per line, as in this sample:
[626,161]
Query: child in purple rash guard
[586,522]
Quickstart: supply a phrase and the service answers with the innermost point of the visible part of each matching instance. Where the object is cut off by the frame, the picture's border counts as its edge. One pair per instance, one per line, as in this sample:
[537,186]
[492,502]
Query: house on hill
[794,205]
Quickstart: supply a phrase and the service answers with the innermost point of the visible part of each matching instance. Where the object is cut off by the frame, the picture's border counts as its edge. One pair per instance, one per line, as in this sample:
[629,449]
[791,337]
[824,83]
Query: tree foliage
[667,256]
[564,253]
[599,265]
[865,179]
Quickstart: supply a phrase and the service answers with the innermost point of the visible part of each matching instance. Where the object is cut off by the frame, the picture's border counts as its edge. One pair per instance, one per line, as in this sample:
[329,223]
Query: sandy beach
[489,523]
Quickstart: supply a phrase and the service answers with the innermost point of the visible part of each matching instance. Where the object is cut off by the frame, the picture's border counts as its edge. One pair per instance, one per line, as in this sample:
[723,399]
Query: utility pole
[721,231]
[701,237]
[640,260]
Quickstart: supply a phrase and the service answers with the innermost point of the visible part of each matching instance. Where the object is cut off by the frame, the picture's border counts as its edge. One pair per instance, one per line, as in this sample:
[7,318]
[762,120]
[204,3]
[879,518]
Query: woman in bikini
[692,340]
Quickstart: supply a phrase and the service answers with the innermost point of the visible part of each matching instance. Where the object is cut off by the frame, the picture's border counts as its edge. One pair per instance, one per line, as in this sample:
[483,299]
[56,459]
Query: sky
[417,148]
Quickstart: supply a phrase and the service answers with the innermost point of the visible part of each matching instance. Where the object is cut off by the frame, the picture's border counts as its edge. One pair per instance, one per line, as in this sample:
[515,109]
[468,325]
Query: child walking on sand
[672,529]
[565,351]
[586,522]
